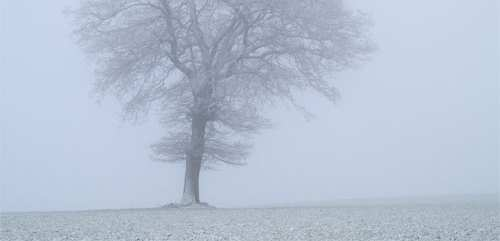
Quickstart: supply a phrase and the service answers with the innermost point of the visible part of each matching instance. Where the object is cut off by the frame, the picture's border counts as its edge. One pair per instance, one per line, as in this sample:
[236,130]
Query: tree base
[187,206]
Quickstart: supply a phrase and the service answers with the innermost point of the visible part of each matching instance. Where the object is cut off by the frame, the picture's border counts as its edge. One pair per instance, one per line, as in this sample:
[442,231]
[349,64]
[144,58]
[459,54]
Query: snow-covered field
[434,221]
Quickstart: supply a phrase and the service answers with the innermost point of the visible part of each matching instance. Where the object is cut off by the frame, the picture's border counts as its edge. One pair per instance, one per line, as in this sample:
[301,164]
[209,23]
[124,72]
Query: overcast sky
[421,118]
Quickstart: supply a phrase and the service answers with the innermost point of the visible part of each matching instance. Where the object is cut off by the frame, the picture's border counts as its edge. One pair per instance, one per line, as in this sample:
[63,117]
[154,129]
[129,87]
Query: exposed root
[188,206]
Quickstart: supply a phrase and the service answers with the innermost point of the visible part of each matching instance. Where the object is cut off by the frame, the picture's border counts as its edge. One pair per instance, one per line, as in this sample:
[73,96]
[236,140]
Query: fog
[421,118]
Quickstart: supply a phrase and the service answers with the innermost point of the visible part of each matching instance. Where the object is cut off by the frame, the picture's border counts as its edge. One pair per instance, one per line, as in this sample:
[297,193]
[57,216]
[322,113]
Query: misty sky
[421,118]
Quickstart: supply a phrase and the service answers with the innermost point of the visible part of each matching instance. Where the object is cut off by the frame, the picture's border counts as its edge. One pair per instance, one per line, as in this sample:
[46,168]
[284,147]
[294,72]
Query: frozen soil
[479,222]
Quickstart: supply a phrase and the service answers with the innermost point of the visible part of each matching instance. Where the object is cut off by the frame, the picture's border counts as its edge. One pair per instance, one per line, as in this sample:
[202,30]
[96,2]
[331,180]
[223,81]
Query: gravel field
[355,222]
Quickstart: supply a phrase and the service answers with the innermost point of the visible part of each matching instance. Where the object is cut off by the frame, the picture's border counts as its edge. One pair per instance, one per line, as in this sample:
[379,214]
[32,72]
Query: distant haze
[421,118]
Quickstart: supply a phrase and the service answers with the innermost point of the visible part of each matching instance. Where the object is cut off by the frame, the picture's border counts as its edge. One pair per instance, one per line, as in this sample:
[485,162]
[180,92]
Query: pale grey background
[421,118]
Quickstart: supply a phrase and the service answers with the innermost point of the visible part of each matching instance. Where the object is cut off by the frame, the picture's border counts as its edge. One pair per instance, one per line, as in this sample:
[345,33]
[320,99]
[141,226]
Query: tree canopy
[221,61]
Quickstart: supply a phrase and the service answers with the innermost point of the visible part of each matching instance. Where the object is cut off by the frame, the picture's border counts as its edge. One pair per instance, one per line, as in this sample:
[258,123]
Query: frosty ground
[347,221]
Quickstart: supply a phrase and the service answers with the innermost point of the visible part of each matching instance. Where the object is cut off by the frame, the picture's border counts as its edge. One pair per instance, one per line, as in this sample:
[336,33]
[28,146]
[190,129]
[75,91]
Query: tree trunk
[191,194]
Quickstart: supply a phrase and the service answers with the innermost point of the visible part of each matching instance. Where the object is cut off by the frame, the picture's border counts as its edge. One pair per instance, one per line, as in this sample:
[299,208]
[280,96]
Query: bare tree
[210,66]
